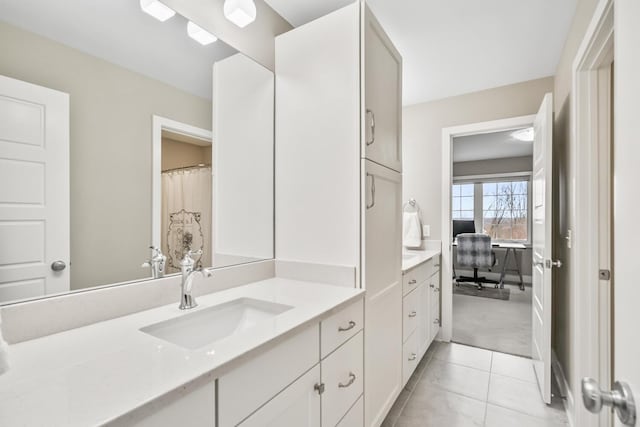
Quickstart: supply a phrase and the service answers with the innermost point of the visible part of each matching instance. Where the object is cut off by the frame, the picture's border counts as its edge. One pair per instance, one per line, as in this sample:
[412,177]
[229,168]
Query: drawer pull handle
[436,290]
[437,265]
[413,281]
[352,325]
[413,314]
[413,357]
[432,285]
[352,378]
[436,322]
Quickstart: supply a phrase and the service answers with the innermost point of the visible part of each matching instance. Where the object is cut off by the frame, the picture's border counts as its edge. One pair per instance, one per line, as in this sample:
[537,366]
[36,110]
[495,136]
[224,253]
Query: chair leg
[476,279]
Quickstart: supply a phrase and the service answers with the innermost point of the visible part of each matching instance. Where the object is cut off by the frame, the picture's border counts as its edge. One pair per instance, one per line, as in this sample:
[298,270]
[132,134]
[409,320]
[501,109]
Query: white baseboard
[565,390]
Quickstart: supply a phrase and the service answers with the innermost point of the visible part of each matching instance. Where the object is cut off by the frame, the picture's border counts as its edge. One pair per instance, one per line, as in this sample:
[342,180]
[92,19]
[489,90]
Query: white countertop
[94,374]
[417,257]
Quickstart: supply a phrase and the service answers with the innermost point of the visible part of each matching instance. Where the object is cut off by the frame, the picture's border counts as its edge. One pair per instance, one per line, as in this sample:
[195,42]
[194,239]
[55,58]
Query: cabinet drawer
[340,327]
[253,383]
[410,357]
[410,312]
[342,375]
[355,416]
[435,265]
[412,278]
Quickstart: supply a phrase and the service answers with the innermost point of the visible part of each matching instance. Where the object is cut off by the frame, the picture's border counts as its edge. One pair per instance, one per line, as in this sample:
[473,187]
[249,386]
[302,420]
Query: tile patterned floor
[458,386]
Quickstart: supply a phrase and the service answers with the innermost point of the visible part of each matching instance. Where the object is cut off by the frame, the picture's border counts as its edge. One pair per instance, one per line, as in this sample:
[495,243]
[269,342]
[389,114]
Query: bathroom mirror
[122,127]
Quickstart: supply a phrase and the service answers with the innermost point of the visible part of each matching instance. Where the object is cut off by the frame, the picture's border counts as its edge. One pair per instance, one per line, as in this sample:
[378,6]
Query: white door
[542,245]
[34,190]
[626,175]
[297,405]
[382,96]
[382,278]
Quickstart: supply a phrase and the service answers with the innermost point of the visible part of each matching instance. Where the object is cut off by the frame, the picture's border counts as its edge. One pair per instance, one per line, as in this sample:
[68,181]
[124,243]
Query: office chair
[474,250]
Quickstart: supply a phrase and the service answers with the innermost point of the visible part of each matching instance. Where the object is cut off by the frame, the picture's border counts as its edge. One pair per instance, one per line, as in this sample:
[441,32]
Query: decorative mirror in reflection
[120,132]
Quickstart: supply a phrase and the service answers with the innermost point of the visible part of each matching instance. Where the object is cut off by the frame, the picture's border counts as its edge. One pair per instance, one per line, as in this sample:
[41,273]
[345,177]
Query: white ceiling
[452,47]
[119,32]
[496,145]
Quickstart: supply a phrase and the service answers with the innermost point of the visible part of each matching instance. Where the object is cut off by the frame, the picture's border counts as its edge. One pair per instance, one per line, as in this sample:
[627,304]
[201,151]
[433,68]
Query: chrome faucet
[156,263]
[187,301]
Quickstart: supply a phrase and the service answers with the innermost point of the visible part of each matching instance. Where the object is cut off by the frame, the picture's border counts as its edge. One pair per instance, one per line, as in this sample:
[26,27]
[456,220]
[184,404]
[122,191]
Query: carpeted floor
[497,325]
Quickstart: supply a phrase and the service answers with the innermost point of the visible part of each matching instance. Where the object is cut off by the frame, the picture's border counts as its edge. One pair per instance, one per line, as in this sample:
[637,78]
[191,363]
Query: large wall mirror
[120,132]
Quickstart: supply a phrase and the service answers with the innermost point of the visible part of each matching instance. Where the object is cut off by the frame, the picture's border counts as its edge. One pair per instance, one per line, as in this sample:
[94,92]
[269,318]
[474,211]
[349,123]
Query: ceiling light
[525,135]
[157,9]
[199,34]
[240,12]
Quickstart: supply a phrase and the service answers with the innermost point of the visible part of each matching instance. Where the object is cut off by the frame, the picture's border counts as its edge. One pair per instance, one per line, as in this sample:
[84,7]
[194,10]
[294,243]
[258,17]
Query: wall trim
[565,390]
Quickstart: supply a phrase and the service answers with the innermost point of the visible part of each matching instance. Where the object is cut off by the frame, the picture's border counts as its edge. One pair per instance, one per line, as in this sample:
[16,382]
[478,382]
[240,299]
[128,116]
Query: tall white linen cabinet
[338,174]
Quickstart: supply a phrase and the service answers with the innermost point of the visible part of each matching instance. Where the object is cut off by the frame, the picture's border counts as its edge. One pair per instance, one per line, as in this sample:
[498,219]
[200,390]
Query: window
[499,207]
[504,207]
[463,201]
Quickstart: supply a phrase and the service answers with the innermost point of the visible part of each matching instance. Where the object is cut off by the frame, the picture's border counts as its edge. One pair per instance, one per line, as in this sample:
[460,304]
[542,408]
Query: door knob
[556,263]
[620,399]
[58,265]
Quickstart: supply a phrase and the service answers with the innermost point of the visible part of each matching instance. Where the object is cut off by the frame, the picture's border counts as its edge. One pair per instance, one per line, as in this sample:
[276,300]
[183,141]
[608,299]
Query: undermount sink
[209,325]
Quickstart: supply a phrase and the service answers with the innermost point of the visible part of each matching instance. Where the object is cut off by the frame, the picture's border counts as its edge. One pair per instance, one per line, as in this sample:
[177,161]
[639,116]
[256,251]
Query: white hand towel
[411,230]
[4,352]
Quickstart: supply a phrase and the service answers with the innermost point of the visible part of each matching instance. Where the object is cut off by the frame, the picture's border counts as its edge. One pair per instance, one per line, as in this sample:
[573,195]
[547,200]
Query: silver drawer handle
[413,314]
[373,191]
[352,378]
[437,265]
[432,285]
[352,325]
[436,290]
[413,357]
[413,281]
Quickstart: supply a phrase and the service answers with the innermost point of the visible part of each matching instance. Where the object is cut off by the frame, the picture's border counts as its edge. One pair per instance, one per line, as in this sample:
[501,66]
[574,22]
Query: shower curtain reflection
[186,215]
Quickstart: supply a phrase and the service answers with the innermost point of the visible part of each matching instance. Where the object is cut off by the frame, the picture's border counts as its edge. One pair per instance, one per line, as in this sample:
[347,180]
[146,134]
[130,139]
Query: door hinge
[604,275]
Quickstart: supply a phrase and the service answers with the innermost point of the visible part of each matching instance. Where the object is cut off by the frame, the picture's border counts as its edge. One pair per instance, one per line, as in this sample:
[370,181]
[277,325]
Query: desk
[511,248]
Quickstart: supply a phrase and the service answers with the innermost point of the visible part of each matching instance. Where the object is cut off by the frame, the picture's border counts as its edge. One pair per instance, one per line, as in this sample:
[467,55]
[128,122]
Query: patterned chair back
[474,250]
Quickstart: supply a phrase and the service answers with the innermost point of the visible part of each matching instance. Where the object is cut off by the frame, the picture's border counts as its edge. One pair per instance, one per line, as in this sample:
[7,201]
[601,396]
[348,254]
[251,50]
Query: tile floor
[498,325]
[458,386]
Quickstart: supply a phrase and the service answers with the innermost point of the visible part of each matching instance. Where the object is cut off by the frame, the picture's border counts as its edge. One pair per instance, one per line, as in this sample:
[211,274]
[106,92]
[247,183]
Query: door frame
[158,125]
[448,134]
[592,354]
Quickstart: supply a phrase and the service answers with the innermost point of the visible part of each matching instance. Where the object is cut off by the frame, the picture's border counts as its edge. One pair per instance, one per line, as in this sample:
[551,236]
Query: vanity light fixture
[156,9]
[525,135]
[240,12]
[199,34]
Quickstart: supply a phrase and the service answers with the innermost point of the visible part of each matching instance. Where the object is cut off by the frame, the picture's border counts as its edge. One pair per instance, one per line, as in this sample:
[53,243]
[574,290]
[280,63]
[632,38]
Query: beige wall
[176,154]
[422,135]
[491,166]
[111,111]
[564,147]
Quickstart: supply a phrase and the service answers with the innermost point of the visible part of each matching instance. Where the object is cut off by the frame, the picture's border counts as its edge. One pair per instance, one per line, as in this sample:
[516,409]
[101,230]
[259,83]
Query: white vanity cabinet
[291,384]
[420,314]
[338,180]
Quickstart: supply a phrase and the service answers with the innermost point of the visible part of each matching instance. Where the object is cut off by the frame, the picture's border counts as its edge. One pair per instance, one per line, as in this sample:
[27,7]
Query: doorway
[491,195]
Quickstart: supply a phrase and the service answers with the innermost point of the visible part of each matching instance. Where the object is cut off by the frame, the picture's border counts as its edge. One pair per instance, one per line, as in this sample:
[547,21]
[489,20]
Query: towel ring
[411,206]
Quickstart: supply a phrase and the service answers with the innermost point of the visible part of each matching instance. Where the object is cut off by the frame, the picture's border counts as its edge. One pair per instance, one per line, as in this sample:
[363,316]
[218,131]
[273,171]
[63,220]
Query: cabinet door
[382,278]
[297,405]
[424,318]
[382,96]
[435,305]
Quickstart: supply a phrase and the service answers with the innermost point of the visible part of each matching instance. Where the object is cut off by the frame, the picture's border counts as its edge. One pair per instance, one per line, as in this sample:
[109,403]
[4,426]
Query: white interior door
[34,194]
[542,244]
[626,176]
